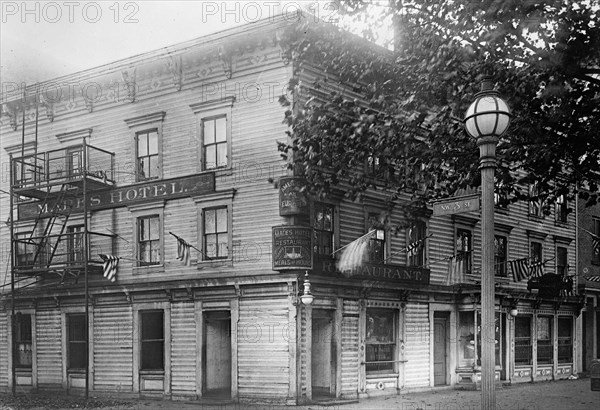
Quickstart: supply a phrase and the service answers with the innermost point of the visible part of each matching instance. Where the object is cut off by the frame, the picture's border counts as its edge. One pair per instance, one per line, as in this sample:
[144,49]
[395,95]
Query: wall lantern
[306,298]
[514,312]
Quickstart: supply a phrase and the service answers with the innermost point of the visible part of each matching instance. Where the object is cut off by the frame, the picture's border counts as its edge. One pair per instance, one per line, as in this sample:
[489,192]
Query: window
[500,255]
[565,339]
[535,203]
[416,235]
[466,342]
[148,164]
[74,162]
[23,340]
[149,240]
[561,208]
[500,196]
[75,243]
[523,340]
[25,251]
[152,340]
[464,247]
[497,338]
[214,142]
[535,252]
[595,243]
[545,349]
[376,244]
[381,341]
[562,264]
[323,230]
[76,348]
[216,236]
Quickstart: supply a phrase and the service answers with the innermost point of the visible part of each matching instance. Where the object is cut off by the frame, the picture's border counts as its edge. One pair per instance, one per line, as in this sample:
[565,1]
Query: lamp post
[486,120]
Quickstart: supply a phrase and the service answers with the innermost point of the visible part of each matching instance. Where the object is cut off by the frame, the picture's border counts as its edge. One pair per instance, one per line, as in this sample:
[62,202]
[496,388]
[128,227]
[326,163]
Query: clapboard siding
[49,348]
[417,345]
[4,350]
[263,362]
[183,349]
[350,356]
[304,351]
[113,348]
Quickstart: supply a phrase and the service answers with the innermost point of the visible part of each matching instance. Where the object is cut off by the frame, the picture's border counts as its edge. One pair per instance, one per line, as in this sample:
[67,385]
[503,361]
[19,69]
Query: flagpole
[357,239]
[191,246]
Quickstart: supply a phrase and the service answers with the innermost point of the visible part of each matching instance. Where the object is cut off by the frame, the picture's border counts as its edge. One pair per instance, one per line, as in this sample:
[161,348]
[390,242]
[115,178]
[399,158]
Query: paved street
[560,395]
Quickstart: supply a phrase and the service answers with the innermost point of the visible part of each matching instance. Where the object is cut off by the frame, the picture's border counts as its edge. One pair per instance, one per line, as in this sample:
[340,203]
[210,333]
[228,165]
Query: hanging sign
[292,247]
[292,196]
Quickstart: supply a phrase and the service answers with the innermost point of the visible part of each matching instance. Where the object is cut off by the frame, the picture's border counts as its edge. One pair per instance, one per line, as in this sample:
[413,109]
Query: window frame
[317,233]
[420,259]
[75,250]
[217,233]
[208,110]
[468,266]
[500,267]
[138,171]
[215,200]
[70,343]
[562,269]
[529,339]
[546,357]
[535,206]
[561,209]
[561,339]
[27,342]
[379,243]
[142,211]
[389,368]
[160,341]
[143,124]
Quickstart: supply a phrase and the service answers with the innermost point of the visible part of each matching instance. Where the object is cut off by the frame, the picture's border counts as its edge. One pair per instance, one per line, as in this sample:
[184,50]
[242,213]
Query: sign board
[292,197]
[124,196]
[380,272]
[292,247]
[456,205]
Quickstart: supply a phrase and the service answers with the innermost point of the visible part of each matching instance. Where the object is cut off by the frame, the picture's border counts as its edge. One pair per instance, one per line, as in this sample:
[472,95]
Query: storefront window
[381,341]
[544,340]
[523,340]
[497,338]
[565,340]
[466,338]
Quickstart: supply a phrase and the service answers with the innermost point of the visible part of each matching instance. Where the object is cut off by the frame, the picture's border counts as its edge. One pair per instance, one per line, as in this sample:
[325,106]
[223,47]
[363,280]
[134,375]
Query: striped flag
[596,245]
[594,278]
[413,248]
[536,269]
[456,268]
[519,269]
[183,251]
[110,266]
[354,253]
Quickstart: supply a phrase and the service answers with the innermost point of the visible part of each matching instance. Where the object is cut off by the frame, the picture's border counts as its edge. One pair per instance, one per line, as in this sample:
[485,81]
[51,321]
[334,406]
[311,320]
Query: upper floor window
[74,163]
[323,229]
[416,244]
[149,240]
[561,208]
[464,248]
[377,243]
[76,347]
[25,249]
[75,243]
[216,234]
[535,203]
[562,264]
[500,255]
[147,154]
[596,241]
[23,340]
[500,196]
[535,252]
[214,142]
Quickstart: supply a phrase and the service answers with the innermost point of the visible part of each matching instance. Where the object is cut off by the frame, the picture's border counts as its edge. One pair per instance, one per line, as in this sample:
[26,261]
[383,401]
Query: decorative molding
[226,59]
[28,148]
[12,116]
[503,228]
[219,103]
[175,67]
[540,236]
[89,104]
[464,220]
[48,108]
[74,135]
[146,119]
[128,76]
[226,195]
[562,239]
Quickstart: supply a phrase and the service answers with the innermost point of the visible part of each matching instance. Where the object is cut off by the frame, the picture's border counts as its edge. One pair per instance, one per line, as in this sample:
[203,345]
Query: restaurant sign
[292,196]
[292,247]
[124,196]
[385,272]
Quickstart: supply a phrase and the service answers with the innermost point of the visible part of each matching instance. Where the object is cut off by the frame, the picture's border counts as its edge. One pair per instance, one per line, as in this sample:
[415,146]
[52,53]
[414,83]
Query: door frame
[449,312]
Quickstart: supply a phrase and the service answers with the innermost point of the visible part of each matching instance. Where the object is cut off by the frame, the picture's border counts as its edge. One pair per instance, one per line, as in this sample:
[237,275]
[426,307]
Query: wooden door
[217,367]
[440,351]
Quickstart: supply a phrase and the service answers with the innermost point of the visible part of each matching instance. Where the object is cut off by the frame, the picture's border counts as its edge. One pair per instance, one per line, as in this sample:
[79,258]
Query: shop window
[416,235]
[500,255]
[497,338]
[323,230]
[545,348]
[565,339]
[216,234]
[149,240]
[466,335]
[596,241]
[562,264]
[464,248]
[147,155]
[214,142]
[523,346]
[23,341]
[76,349]
[561,208]
[381,341]
[152,340]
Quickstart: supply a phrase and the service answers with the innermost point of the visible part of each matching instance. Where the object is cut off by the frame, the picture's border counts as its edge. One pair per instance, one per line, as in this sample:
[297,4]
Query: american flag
[519,269]
[594,278]
[183,251]
[109,266]
[413,248]
[535,269]
[456,268]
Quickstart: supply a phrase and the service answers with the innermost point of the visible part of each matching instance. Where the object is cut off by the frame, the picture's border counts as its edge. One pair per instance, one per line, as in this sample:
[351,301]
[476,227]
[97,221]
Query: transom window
[152,340]
[216,236]
[76,341]
[323,229]
[214,132]
[381,341]
[147,155]
[149,240]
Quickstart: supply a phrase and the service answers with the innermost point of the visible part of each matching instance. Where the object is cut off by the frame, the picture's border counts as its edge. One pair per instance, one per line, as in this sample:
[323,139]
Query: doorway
[323,359]
[440,348]
[217,354]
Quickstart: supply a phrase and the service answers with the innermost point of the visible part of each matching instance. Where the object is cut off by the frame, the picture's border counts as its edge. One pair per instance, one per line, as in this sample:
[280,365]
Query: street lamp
[307,297]
[486,120]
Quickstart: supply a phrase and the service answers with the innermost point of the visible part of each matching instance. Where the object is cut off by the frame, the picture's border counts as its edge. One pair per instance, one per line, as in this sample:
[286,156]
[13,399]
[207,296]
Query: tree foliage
[361,103]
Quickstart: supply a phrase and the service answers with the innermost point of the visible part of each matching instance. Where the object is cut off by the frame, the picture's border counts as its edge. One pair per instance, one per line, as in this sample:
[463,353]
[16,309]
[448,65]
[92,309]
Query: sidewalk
[559,395]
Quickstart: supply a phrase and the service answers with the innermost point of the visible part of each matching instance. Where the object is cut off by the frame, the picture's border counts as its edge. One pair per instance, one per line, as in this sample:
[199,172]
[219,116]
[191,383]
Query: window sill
[219,172]
[535,218]
[382,375]
[152,372]
[76,371]
[216,263]
[150,269]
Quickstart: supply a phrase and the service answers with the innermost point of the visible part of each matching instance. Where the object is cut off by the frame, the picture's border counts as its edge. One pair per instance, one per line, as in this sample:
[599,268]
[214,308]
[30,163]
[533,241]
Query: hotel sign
[292,247]
[387,272]
[125,196]
[292,197]
[456,205]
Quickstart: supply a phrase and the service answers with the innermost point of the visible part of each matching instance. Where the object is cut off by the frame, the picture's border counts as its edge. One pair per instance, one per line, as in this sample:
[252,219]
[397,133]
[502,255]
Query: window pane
[209,221]
[211,245]
[210,157]
[152,143]
[76,355]
[221,219]
[153,355]
[209,132]
[145,251]
[223,245]
[222,155]
[152,325]
[523,346]
[220,129]
[77,328]
[142,145]
[380,325]
[154,231]
[467,336]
